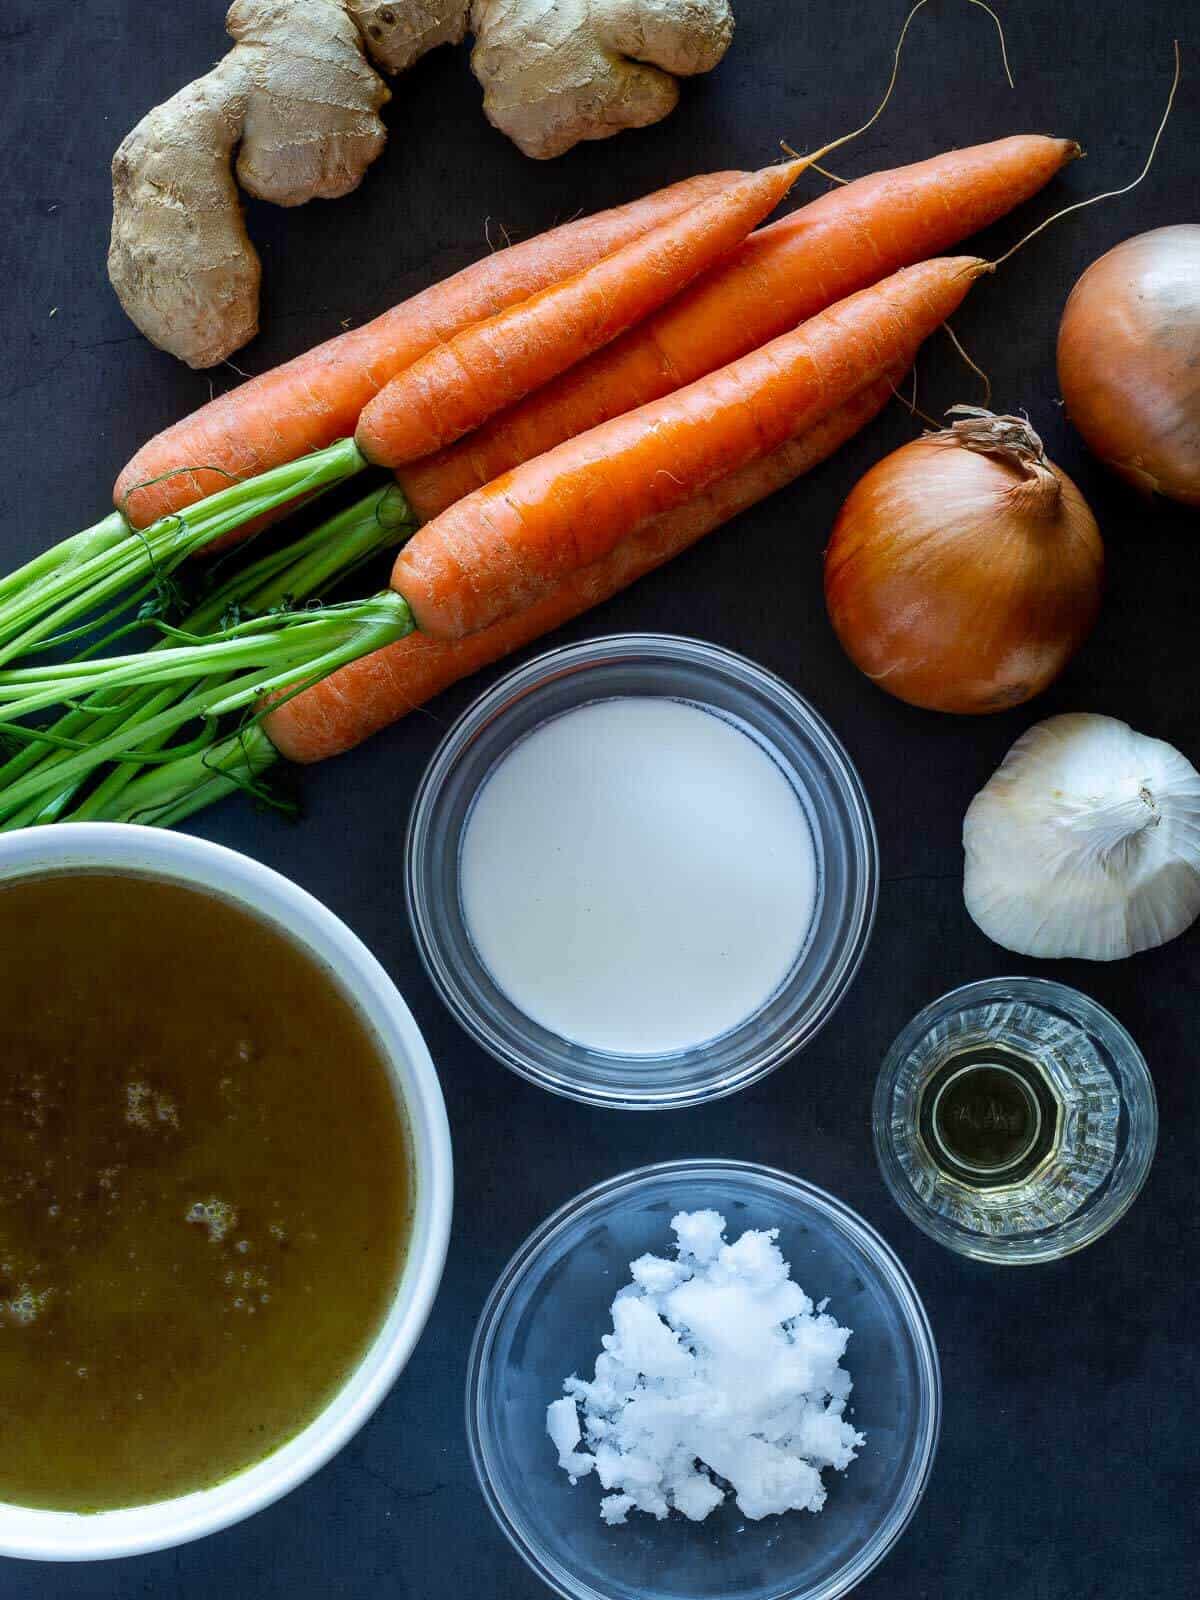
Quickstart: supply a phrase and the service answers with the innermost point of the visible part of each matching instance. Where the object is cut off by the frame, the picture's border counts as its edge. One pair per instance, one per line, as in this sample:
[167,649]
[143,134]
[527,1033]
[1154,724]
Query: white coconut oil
[638,875]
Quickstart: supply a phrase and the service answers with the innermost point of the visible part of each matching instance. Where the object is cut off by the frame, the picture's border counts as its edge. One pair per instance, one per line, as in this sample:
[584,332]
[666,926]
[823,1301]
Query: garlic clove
[1085,842]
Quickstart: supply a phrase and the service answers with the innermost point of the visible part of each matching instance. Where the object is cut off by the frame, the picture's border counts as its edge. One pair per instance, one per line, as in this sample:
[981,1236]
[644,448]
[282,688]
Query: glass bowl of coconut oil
[545,1318]
[1015,1120]
[641,871]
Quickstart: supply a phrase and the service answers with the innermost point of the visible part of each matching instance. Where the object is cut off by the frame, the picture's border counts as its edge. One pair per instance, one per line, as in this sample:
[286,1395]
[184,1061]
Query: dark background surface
[1068,1463]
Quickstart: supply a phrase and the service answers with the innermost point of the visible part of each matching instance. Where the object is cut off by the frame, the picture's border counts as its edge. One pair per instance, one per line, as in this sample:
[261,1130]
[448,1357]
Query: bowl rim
[37,1534]
[844,1217]
[1076,1233]
[583,655]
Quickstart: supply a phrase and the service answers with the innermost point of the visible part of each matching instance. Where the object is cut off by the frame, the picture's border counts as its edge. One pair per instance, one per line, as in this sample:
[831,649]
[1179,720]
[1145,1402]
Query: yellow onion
[965,569]
[1129,360]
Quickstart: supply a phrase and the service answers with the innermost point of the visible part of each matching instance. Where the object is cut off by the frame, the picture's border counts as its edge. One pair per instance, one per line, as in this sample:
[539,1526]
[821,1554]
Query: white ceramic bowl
[64,1536]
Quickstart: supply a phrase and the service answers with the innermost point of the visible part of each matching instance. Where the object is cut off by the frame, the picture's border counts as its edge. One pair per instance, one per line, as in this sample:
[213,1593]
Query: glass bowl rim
[1078,1231]
[848,953]
[831,1209]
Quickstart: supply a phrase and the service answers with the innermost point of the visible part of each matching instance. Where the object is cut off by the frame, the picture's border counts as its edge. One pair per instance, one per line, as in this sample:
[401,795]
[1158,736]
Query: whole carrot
[499,549]
[845,241]
[493,363]
[316,398]
[378,689]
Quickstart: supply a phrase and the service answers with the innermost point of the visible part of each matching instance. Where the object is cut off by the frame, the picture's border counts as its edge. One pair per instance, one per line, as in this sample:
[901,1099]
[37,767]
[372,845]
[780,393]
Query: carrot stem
[67,553]
[168,795]
[275,643]
[52,605]
[331,641]
[292,574]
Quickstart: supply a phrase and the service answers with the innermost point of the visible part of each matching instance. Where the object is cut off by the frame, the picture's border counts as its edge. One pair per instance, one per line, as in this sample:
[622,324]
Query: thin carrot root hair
[909,402]
[1003,42]
[814,159]
[1109,194]
[824,171]
[974,366]
[836,144]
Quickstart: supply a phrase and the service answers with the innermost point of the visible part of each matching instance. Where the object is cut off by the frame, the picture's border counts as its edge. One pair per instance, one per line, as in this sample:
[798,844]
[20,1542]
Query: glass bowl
[1101,1121]
[762,706]
[544,1320]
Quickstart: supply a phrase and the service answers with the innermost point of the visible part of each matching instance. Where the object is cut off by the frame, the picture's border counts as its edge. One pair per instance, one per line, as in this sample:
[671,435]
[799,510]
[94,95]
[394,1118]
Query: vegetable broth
[205,1190]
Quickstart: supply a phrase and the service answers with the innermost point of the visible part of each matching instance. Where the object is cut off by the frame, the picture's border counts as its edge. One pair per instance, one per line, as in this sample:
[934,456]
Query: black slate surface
[1068,1462]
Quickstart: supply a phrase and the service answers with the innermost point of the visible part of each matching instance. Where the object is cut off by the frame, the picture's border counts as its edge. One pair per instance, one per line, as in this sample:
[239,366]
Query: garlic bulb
[1085,842]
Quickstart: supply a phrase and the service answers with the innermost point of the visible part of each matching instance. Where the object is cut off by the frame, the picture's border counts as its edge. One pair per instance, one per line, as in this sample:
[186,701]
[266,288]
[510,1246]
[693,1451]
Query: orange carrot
[494,363]
[845,241]
[498,550]
[316,398]
[360,699]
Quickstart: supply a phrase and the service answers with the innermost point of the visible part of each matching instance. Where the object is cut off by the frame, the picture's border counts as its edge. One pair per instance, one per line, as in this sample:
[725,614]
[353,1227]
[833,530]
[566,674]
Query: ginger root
[558,71]
[399,34]
[298,98]
[301,104]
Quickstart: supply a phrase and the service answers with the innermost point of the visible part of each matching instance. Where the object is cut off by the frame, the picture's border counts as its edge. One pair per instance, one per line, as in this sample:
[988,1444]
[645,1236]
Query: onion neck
[1037,491]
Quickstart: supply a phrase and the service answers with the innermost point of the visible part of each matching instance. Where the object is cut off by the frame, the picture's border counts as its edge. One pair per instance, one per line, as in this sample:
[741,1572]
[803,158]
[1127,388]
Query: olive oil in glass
[989,1117]
[1014,1120]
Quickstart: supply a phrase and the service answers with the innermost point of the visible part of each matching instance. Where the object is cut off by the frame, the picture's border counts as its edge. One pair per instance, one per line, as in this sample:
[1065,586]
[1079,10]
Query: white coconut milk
[638,875]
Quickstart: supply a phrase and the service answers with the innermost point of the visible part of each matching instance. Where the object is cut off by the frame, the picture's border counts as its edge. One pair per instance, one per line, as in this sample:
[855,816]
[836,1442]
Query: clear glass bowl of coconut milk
[545,1317]
[641,871]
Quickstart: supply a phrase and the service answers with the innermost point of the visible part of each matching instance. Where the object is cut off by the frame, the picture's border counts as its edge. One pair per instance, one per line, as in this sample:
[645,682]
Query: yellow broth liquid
[205,1190]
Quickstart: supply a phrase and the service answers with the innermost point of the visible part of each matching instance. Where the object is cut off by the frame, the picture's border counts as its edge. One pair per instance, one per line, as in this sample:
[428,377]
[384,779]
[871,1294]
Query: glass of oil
[1015,1120]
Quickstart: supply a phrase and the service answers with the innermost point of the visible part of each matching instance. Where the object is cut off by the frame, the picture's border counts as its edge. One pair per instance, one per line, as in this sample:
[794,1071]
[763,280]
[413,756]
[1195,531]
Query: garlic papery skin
[1085,842]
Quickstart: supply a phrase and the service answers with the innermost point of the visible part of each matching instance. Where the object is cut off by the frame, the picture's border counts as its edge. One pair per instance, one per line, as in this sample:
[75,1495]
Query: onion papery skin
[1129,361]
[960,581]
